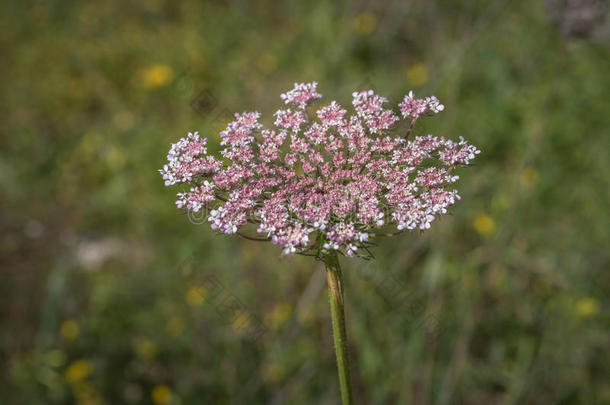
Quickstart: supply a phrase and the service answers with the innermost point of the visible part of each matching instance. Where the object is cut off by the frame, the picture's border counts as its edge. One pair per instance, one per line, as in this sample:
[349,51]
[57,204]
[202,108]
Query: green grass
[505,301]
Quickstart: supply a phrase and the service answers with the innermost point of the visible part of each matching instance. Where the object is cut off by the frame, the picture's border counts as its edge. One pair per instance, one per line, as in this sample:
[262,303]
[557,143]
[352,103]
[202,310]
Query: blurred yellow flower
[484,224]
[587,307]
[364,23]
[69,329]
[196,295]
[145,348]
[78,371]
[278,316]
[155,76]
[240,321]
[418,74]
[529,177]
[161,394]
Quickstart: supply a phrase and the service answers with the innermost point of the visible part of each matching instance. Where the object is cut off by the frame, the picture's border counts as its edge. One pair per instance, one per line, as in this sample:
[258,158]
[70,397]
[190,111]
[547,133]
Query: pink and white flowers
[321,184]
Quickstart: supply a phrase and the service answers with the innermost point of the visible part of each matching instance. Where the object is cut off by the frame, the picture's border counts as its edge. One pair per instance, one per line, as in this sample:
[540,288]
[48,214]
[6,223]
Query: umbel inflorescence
[323,182]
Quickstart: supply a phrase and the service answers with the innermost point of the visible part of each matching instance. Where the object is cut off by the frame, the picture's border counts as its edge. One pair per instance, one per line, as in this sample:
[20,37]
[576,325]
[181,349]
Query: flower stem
[335,292]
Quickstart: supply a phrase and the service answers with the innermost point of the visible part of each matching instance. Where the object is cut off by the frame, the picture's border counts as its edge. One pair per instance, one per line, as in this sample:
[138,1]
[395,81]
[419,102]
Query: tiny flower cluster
[325,184]
[416,107]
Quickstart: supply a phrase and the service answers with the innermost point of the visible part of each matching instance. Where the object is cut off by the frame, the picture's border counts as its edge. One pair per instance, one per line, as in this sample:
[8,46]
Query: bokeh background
[109,295]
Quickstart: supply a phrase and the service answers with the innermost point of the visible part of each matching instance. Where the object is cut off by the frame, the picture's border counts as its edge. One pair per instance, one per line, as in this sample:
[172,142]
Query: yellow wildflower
[156,76]
[587,307]
[196,295]
[69,329]
[78,370]
[240,322]
[418,74]
[484,224]
[161,394]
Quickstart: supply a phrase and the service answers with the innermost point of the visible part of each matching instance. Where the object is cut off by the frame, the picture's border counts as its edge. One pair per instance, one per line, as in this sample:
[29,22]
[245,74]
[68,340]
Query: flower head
[187,160]
[415,107]
[302,94]
[324,184]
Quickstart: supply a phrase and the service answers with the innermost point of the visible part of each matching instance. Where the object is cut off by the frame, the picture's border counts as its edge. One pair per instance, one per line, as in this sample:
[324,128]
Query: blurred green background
[105,292]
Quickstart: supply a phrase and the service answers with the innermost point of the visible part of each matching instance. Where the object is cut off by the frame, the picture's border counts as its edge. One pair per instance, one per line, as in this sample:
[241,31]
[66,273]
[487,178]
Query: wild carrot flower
[323,185]
[321,182]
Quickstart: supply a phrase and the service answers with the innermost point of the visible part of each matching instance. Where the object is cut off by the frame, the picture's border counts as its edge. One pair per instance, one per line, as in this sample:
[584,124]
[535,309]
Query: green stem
[335,292]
